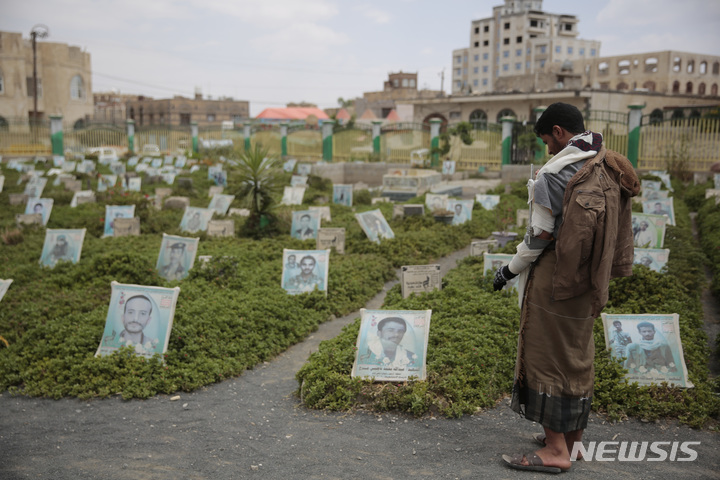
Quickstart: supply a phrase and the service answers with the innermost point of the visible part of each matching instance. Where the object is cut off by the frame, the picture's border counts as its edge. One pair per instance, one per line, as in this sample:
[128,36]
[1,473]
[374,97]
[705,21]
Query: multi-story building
[183,111]
[518,39]
[667,72]
[63,78]
[399,87]
[110,107]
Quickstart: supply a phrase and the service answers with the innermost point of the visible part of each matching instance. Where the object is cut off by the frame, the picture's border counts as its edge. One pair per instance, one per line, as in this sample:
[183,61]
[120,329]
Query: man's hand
[502,276]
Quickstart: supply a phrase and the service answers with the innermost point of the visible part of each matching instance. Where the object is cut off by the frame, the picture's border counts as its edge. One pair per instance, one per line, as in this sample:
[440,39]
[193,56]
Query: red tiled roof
[292,113]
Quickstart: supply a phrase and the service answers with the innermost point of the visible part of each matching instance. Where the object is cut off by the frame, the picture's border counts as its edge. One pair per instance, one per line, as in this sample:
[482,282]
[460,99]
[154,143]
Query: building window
[485,69]
[464,71]
[465,58]
[458,59]
[716,68]
[533,23]
[506,53]
[529,50]
[396,82]
[476,57]
[649,85]
[581,52]
[543,48]
[412,83]
[506,26]
[567,27]
[486,28]
[592,52]
[624,67]
[475,70]
[506,41]
[210,117]
[478,119]
[485,82]
[518,39]
[184,119]
[77,88]
[703,68]
[570,50]
[458,84]
[475,83]
[518,66]
[518,52]
[542,63]
[688,87]
[701,89]
[485,56]
[506,67]
[505,112]
[2,84]
[527,65]
[622,86]
[457,72]
[31,87]
[714,90]
[651,65]
[603,68]
[477,30]
[558,49]
[476,44]
[486,43]
[676,87]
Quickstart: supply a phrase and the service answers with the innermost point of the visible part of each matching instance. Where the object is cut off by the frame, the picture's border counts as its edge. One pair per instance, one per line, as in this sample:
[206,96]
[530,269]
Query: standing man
[580,238]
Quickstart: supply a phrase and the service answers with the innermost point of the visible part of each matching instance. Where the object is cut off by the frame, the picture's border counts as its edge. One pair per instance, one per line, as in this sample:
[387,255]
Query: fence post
[327,139]
[634,121]
[435,141]
[376,136]
[130,126]
[246,135]
[194,132]
[540,152]
[56,135]
[283,139]
[507,127]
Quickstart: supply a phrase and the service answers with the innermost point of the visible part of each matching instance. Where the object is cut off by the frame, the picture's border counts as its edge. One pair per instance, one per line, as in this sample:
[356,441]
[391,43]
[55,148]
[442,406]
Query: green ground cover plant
[472,344]
[231,315]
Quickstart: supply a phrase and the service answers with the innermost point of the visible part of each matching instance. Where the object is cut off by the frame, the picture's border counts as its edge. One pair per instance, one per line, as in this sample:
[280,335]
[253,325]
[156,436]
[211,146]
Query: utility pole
[41,31]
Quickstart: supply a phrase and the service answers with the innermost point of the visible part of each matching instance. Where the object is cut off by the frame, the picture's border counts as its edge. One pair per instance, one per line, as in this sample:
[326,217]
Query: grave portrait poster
[374,225]
[305,224]
[4,285]
[436,201]
[43,206]
[177,256]
[653,258]
[648,230]
[419,278]
[648,346]
[112,213]
[62,245]
[221,203]
[305,270]
[343,195]
[195,219]
[139,316]
[126,227]
[488,202]
[392,345]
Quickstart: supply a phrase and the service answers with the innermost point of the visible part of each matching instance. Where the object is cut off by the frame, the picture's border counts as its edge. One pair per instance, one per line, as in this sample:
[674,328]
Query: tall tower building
[518,39]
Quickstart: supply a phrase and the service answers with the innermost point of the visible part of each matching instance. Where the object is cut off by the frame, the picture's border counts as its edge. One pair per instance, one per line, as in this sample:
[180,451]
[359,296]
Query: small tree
[260,178]
[449,139]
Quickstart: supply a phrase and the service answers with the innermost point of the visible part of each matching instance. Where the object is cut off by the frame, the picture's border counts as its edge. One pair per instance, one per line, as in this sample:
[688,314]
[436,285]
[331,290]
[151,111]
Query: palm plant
[259,176]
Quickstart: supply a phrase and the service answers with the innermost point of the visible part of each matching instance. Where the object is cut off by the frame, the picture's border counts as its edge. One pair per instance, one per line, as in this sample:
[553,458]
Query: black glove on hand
[502,276]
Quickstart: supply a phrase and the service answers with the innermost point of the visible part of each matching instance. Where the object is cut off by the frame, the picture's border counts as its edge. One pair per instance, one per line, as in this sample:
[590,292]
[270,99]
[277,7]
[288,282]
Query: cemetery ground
[239,414]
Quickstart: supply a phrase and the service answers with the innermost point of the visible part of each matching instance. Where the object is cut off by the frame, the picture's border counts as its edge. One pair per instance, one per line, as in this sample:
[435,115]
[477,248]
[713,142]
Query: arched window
[691,66]
[505,112]
[3,124]
[603,68]
[688,87]
[677,64]
[701,89]
[479,119]
[678,114]
[77,88]
[2,83]
[650,85]
[714,90]
[656,117]
[676,87]
[622,86]
[79,125]
[703,68]
[694,114]
[716,68]
[624,67]
[651,65]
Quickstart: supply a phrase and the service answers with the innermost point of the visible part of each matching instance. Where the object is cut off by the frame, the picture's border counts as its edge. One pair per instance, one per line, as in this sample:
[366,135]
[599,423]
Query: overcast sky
[271,52]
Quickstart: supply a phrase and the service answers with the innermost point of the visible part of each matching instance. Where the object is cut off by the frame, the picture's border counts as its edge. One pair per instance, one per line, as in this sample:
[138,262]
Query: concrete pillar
[376,136]
[507,127]
[56,135]
[246,134]
[435,140]
[194,130]
[634,121]
[327,140]
[283,139]
[130,128]
[540,152]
